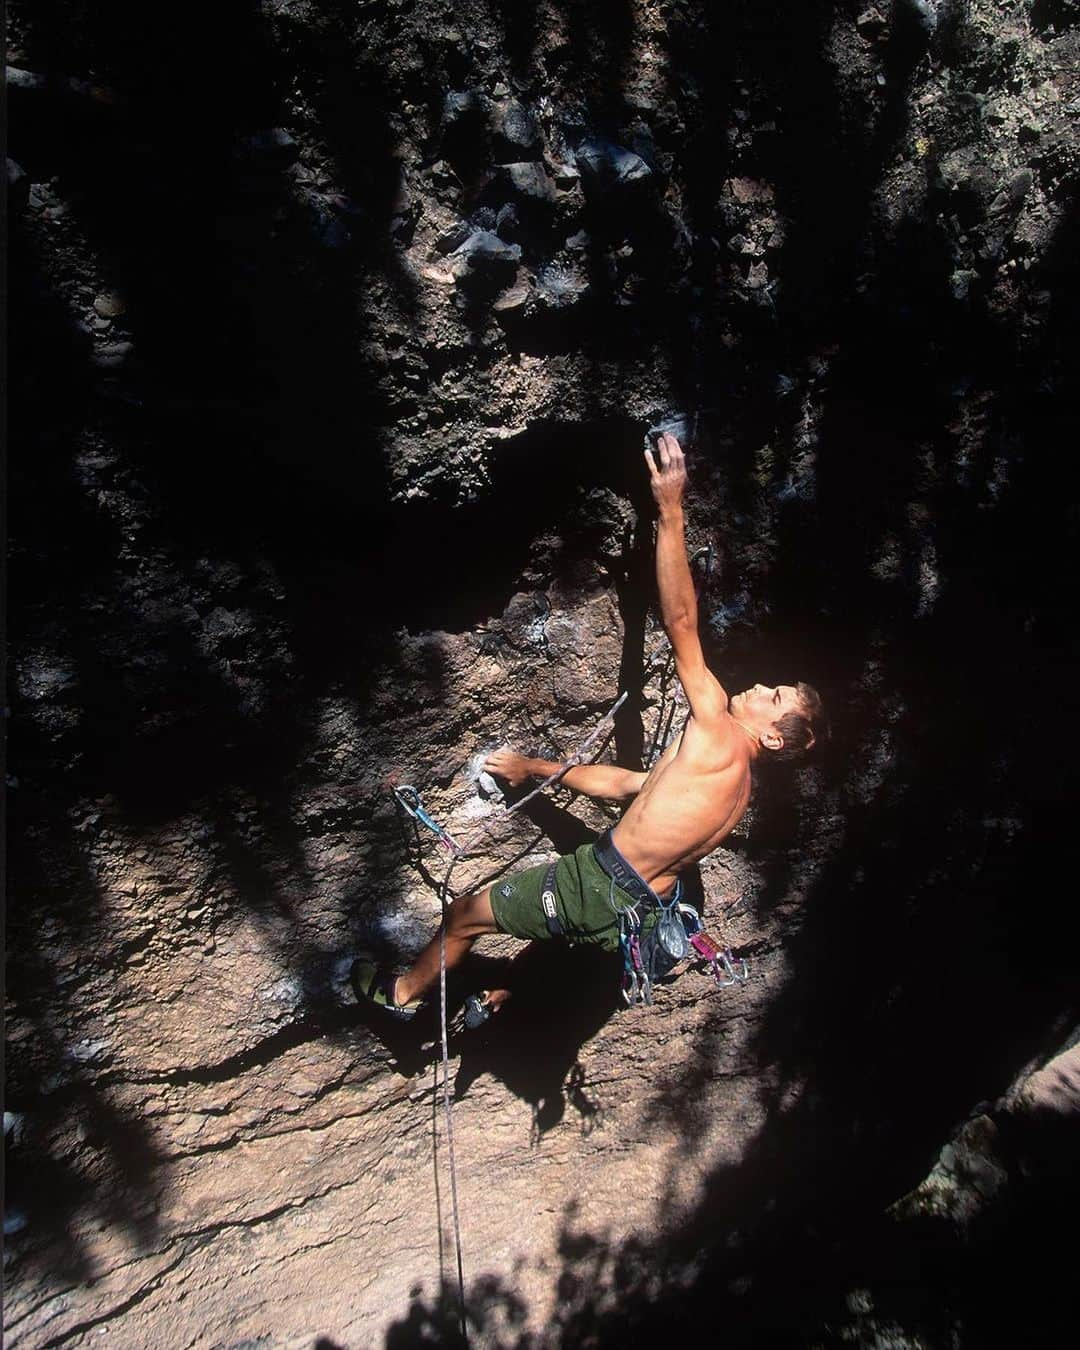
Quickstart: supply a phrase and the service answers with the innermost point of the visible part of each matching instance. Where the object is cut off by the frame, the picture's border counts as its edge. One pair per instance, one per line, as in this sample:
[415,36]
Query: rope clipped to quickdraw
[409,799]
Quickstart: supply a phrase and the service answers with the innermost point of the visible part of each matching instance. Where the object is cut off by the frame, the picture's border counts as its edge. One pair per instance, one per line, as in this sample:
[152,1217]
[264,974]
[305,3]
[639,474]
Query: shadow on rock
[561,997]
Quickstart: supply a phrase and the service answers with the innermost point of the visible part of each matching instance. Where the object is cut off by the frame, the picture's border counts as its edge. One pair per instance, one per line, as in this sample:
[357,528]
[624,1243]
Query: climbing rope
[409,799]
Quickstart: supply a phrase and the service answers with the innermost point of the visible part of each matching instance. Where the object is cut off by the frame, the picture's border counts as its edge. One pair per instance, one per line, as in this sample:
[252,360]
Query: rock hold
[109,304]
[507,221]
[677,424]
[529,179]
[516,299]
[453,236]
[516,133]
[463,105]
[484,254]
[113,355]
[870,22]
[605,165]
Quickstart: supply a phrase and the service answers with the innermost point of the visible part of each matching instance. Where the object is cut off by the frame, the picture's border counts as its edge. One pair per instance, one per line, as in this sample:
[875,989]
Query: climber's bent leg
[467,919]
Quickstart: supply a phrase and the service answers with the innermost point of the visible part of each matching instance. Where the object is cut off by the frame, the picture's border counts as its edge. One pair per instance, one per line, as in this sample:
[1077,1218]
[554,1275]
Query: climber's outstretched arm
[594,780]
[678,603]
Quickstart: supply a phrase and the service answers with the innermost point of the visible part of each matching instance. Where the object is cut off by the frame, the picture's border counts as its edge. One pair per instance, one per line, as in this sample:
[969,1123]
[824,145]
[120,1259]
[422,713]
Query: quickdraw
[720,959]
[415,808]
[636,984]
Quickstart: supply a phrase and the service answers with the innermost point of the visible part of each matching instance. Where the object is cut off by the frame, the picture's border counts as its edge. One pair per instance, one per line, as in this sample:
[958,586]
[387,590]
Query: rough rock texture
[336,330]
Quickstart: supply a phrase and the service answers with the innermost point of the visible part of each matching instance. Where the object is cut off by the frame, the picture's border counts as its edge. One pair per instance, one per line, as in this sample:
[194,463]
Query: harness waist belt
[620,871]
[547,899]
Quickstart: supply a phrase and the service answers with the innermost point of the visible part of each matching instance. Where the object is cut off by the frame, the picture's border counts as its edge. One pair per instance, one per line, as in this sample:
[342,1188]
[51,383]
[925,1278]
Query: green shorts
[587,901]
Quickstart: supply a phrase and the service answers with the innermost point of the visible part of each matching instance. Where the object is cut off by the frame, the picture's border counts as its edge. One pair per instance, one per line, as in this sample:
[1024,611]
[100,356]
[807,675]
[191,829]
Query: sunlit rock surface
[335,333]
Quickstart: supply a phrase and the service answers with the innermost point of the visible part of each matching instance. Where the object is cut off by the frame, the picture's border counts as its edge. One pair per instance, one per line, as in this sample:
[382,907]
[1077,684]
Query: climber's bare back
[692,799]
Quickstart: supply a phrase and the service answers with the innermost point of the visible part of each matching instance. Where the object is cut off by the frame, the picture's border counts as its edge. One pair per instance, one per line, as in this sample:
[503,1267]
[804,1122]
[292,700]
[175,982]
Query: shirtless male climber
[679,811]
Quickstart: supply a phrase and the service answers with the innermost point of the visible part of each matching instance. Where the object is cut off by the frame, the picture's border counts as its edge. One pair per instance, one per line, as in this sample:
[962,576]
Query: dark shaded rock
[605,166]
[109,305]
[507,222]
[113,355]
[273,146]
[18,186]
[972,183]
[453,236]
[517,135]
[870,22]
[529,179]
[1011,197]
[464,106]
[923,15]
[465,129]
[1056,14]
[516,298]
[485,255]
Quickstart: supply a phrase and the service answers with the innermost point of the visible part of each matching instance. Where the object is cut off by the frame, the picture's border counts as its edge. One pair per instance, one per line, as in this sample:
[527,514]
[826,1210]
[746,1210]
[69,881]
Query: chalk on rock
[924,13]
[559,286]
[488,788]
[679,425]
[476,773]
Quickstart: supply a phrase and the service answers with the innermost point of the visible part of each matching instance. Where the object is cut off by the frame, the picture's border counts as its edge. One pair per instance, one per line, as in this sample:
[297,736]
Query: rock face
[335,335]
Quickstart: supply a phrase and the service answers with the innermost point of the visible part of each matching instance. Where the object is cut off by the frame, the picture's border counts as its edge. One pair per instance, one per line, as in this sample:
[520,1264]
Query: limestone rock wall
[336,330]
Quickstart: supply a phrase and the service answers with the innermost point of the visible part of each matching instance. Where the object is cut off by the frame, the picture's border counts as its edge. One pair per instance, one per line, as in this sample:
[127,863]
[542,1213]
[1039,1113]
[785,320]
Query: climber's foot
[372,983]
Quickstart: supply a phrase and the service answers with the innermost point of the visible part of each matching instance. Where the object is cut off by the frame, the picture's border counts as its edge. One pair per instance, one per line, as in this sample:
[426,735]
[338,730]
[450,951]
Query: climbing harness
[651,951]
[675,934]
[408,799]
[547,899]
